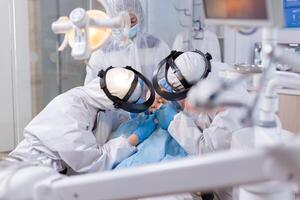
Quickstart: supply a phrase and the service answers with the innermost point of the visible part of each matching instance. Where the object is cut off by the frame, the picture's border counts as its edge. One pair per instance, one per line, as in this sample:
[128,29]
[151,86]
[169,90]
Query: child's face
[159,101]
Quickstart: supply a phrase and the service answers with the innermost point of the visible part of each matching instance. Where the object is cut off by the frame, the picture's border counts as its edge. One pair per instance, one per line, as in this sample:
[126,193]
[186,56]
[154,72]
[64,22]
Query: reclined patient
[158,147]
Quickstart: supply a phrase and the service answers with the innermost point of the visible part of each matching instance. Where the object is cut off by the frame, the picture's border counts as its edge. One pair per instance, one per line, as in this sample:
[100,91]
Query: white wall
[21,68]
[162,19]
[15,104]
[165,22]
[6,85]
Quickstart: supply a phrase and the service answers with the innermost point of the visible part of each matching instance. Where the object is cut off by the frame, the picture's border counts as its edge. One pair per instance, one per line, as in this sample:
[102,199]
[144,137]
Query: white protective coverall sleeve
[63,132]
[216,137]
[199,137]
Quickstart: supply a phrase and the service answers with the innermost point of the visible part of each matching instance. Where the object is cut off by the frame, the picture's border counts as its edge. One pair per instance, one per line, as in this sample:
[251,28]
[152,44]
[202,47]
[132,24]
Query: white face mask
[133,31]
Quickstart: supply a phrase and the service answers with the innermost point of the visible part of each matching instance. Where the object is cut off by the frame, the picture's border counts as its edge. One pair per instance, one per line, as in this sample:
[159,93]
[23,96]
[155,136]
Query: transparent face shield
[168,69]
[139,105]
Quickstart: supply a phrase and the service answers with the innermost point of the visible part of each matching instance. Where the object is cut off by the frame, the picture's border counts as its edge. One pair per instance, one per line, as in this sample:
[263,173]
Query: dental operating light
[86,31]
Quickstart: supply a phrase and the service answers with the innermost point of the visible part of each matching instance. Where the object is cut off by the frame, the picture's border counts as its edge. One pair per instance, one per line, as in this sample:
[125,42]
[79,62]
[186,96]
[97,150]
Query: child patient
[159,101]
[158,147]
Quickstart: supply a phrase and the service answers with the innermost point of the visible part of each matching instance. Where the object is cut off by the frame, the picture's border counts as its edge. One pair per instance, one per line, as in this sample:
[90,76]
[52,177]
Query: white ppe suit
[209,132]
[204,132]
[143,52]
[62,134]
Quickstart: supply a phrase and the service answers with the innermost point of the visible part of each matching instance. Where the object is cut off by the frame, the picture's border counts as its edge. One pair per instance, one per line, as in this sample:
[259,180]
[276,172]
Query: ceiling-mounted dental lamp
[86,31]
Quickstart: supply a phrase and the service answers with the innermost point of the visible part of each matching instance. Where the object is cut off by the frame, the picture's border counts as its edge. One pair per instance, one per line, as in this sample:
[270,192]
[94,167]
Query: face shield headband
[173,94]
[133,107]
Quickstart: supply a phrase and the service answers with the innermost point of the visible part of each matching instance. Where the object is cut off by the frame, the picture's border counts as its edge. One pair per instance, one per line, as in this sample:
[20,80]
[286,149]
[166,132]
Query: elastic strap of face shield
[132,88]
[103,86]
[171,63]
[207,58]
[123,103]
[171,96]
[116,100]
[138,108]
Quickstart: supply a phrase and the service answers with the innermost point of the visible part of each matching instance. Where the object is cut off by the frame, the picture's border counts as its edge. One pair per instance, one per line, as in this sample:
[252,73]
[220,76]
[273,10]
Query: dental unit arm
[80,26]
[279,163]
[209,172]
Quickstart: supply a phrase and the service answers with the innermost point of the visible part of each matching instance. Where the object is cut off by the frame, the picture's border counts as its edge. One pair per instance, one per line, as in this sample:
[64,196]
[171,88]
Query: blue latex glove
[165,115]
[133,115]
[145,128]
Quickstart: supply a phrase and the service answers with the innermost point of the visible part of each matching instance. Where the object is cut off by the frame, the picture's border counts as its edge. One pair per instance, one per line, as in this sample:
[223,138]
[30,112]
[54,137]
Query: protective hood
[179,72]
[114,7]
[123,86]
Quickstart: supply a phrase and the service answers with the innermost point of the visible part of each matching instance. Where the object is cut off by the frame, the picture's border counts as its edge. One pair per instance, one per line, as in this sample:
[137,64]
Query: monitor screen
[292,13]
[291,3]
[236,9]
